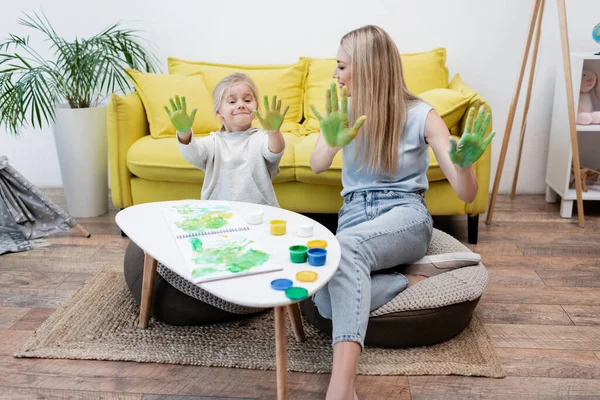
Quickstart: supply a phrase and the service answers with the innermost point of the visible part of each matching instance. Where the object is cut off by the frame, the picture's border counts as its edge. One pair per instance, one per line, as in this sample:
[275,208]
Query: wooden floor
[541,309]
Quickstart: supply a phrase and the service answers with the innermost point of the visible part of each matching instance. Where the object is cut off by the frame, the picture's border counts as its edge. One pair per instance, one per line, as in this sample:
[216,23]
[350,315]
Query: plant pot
[82,147]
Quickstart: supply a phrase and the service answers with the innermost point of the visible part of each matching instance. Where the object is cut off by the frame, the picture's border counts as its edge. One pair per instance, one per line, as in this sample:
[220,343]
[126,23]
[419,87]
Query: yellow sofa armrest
[482,167]
[126,123]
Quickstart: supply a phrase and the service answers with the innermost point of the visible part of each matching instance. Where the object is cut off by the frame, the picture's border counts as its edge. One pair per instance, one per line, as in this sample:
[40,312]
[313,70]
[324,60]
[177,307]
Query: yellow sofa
[146,166]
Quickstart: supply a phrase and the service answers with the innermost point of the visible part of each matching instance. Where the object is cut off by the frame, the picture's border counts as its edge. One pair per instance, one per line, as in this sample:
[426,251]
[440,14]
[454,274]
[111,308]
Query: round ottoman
[176,301]
[432,311]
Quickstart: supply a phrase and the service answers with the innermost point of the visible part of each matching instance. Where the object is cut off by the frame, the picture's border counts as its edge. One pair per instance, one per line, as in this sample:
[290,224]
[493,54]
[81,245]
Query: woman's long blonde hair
[380,93]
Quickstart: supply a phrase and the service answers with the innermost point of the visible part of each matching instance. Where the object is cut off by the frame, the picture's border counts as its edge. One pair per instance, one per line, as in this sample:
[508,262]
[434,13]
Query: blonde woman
[384,221]
[239,161]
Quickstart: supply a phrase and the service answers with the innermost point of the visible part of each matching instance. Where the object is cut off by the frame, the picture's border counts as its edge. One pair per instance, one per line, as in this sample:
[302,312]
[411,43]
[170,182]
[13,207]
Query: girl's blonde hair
[380,93]
[226,83]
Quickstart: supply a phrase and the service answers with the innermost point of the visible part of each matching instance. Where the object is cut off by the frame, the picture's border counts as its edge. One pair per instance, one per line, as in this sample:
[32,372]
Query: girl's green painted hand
[471,145]
[273,116]
[179,116]
[334,126]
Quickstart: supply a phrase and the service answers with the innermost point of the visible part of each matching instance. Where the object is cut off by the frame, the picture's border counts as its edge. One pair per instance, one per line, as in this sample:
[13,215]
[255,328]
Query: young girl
[239,161]
[384,221]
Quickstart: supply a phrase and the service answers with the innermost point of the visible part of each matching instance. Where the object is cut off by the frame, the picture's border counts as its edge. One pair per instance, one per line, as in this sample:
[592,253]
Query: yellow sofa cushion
[317,82]
[155,90]
[425,70]
[304,148]
[283,81]
[160,160]
[459,85]
[450,104]
[422,71]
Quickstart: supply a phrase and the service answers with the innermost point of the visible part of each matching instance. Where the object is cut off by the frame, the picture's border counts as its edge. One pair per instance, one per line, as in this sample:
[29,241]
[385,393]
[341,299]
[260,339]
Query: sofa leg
[472,228]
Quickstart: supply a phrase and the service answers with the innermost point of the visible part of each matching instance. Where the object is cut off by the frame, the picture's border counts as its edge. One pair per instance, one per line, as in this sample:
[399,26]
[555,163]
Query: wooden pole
[536,46]
[566,53]
[511,114]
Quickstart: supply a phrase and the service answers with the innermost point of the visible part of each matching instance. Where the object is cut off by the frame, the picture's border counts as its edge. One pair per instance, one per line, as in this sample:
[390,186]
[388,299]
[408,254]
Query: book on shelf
[216,243]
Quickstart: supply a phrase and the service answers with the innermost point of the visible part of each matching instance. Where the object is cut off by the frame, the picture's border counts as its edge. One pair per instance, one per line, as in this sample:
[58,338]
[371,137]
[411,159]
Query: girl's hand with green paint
[471,145]
[179,116]
[273,116]
[334,126]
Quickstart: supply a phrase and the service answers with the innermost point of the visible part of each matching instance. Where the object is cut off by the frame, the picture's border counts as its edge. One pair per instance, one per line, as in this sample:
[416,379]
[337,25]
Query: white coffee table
[146,226]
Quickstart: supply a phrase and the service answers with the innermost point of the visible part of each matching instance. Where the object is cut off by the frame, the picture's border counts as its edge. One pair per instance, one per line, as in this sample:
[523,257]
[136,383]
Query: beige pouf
[432,311]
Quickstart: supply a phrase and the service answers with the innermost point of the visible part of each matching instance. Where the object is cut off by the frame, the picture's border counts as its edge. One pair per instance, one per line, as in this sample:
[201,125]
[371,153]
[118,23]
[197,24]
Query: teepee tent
[26,213]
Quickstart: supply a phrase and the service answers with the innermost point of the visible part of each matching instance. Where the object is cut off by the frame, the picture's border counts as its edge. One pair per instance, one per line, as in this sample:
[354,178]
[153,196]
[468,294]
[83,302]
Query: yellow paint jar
[278,227]
[312,244]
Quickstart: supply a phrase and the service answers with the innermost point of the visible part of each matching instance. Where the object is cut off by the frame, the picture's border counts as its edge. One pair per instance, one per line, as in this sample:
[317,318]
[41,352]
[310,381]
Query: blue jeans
[377,230]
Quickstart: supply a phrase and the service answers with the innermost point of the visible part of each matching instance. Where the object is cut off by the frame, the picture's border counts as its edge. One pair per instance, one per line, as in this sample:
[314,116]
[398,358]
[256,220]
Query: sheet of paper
[189,220]
[225,256]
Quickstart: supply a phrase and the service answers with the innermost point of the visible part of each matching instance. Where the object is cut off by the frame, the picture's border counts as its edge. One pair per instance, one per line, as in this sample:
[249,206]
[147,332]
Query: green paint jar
[298,253]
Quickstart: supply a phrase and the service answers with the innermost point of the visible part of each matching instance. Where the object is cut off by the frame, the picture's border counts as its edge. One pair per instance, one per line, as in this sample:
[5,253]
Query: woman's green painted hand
[273,116]
[334,126]
[471,145]
[179,116]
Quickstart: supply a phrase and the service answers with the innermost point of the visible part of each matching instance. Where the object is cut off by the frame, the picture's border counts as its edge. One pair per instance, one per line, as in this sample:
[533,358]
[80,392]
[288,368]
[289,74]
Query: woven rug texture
[100,322]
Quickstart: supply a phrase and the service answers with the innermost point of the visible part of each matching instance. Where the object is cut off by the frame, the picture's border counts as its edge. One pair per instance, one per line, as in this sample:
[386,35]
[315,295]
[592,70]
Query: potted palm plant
[67,92]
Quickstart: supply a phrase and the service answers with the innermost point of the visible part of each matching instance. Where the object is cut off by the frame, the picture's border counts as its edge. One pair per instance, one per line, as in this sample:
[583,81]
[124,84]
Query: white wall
[485,42]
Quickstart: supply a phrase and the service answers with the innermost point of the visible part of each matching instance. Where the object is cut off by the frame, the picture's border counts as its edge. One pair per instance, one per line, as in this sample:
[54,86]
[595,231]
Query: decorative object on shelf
[587,176]
[596,36]
[586,114]
[535,23]
[66,92]
[561,163]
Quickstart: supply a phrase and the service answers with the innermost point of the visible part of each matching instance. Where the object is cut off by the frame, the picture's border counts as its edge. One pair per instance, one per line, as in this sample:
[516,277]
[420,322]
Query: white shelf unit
[560,156]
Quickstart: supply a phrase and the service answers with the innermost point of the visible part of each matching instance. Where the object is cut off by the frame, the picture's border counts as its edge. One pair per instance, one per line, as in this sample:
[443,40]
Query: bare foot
[413,279]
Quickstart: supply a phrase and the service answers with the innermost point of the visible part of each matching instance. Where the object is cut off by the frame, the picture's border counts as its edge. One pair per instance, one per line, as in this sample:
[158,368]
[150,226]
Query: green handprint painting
[223,255]
[199,219]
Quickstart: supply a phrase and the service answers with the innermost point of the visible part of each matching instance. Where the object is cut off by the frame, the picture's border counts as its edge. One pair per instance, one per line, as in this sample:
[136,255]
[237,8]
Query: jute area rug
[99,323]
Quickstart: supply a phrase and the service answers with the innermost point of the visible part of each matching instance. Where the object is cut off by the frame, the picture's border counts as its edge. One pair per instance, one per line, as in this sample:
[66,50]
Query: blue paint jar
[317,256]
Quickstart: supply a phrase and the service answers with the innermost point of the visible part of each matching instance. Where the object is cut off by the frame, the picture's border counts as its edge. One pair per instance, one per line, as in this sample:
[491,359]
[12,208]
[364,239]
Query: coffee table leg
[281,353]
[294,313]
[147,289]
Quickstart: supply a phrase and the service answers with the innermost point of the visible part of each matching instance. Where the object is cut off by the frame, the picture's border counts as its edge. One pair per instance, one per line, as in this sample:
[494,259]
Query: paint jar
[317,256]
[254,218]
[305,230]
[307,276]
[313,244]
[278,227]
[298,253]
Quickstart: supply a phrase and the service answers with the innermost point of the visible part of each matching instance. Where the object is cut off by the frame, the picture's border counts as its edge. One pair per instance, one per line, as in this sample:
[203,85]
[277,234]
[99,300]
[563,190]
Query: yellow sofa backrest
[297,85]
